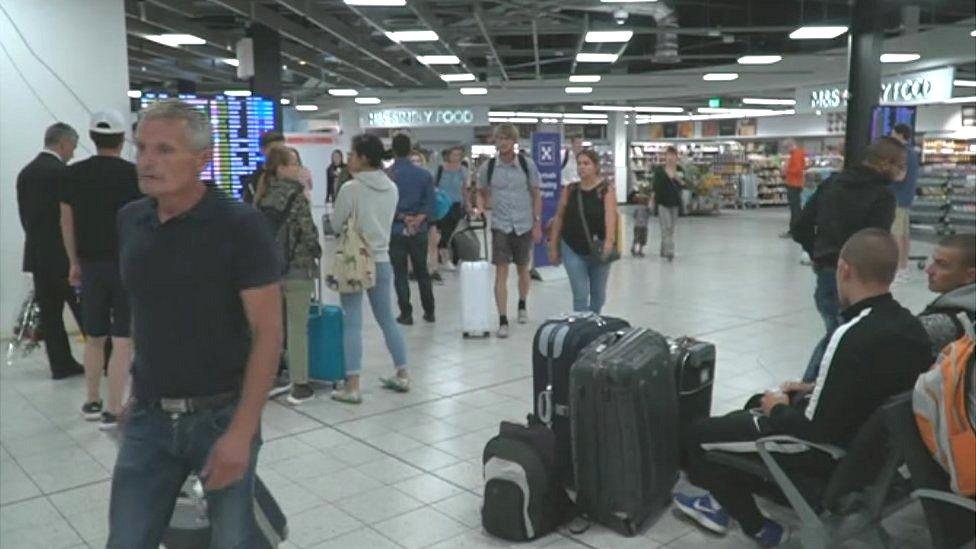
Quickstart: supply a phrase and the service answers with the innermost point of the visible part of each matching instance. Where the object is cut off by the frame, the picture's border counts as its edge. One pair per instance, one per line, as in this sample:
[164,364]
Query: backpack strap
[440,171]
[566,158]
[965,324]
[284,221]
[490,172]
[525,170]
[289,204]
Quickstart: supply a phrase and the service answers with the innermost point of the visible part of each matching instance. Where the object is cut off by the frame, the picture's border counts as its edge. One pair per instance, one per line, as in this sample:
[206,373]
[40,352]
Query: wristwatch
[538,218]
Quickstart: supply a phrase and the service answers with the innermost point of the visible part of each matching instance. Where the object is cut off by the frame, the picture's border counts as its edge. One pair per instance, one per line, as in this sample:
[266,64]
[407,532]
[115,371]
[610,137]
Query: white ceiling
[939,47]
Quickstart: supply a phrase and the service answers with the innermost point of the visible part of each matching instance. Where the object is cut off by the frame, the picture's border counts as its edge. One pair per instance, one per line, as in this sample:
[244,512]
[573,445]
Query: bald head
[872,255]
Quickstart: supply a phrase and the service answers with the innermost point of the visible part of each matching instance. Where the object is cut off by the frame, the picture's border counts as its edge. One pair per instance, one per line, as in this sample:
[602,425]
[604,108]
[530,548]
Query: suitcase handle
[544,406]
[318,284]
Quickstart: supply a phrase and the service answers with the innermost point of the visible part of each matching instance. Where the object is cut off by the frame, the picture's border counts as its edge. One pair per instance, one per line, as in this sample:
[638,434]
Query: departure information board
[238,123]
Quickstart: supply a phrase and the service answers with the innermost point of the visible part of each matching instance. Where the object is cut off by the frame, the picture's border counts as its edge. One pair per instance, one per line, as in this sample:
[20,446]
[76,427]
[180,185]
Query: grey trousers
[668,217]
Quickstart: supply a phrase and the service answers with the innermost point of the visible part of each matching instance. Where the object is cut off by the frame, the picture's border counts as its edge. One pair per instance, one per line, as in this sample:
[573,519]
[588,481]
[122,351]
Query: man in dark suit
[38,187]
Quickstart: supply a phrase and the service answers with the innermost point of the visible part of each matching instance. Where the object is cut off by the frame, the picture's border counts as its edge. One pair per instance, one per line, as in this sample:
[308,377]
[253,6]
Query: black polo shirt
[96,189]
[184,279]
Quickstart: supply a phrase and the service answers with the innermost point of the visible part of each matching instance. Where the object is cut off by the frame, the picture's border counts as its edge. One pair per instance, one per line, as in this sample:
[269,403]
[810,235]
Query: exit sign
[714,102]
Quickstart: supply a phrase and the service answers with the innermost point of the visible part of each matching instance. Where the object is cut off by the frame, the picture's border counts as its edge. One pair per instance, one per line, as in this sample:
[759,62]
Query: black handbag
[596,249]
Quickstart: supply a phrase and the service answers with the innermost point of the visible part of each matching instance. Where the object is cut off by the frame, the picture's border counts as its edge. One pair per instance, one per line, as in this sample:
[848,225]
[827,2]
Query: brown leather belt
[195,404]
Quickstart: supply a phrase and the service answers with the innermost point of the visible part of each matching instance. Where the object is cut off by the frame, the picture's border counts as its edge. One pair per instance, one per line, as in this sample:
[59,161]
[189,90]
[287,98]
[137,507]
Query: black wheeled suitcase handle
[545,397]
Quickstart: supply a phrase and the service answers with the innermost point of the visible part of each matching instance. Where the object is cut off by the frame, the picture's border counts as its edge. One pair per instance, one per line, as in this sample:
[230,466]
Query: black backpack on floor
[523,498]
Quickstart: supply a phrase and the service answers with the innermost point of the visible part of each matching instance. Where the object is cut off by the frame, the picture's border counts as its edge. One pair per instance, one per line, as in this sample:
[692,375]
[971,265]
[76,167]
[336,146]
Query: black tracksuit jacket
[878,352]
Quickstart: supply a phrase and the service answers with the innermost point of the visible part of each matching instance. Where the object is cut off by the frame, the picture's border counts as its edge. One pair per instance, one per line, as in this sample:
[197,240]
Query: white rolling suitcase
[477,318]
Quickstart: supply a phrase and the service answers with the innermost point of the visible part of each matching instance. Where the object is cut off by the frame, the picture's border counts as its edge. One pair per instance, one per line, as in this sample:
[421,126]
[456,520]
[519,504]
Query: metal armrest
[946,497]
[808,515]
[835,452]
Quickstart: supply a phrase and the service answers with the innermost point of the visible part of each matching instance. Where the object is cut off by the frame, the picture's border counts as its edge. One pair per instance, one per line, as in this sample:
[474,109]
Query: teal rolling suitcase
[326,360]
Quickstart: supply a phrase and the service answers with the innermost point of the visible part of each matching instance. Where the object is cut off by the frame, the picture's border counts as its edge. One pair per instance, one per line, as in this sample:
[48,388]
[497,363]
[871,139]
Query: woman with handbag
[583,234]
[364,211]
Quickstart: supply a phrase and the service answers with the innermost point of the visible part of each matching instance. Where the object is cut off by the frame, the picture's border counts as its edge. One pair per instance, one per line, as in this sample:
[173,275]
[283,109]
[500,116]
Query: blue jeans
[825,297]
[588,280]
[158,452]
[828,305]
[381,301]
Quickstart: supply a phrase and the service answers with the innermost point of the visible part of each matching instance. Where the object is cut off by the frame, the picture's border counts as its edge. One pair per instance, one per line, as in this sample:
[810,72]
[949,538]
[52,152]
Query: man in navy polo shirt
[408,237]
[202,281]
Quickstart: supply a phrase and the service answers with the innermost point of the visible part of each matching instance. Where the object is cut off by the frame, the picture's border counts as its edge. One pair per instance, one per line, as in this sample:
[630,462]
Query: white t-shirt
[570,174]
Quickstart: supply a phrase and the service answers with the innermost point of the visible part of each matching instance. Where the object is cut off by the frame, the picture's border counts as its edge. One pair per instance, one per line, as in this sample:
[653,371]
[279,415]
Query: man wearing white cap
[94,191]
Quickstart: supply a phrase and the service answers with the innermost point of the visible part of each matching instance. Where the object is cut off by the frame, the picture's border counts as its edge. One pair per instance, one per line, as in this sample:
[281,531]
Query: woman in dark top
[585,243]
[668,182]
[335,168]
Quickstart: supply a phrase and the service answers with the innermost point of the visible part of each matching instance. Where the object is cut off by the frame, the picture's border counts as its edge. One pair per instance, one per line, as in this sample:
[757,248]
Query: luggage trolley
[27,330]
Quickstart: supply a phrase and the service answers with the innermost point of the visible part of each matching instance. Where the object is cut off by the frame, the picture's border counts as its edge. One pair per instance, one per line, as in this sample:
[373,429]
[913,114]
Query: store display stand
[946,188]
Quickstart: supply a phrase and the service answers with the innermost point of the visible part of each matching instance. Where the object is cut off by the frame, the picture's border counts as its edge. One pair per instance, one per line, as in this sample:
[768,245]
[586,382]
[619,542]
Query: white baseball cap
[107,122]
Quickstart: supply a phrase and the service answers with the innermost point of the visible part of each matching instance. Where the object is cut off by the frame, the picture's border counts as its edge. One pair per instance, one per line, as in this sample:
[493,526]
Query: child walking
[642,216]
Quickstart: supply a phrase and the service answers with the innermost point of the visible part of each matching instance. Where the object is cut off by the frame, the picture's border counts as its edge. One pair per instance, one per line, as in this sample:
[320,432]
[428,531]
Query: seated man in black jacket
[878,351]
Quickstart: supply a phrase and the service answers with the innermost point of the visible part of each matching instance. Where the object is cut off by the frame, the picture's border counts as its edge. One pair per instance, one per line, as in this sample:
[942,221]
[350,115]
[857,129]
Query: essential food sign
[904,89]
[423,117]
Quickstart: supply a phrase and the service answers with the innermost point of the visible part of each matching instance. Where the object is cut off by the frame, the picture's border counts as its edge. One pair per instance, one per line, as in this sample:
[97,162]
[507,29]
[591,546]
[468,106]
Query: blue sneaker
[704,510]
[772,534]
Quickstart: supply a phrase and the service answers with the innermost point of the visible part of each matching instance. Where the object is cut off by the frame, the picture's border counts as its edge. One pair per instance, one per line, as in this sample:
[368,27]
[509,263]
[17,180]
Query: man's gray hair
[58,132]
[199,130]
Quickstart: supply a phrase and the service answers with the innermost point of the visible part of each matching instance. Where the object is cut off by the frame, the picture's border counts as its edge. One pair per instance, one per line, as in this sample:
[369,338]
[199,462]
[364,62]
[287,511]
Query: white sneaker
[502,332]
[523,316]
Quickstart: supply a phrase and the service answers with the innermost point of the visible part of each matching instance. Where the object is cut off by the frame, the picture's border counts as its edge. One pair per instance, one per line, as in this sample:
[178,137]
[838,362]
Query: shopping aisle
[405,470]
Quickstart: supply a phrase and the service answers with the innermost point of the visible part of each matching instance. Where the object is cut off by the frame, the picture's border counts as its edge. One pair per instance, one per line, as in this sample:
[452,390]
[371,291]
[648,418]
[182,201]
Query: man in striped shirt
[878,351]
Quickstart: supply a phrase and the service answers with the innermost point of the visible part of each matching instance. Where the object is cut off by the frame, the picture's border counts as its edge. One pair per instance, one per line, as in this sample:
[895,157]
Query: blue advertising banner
[545,153]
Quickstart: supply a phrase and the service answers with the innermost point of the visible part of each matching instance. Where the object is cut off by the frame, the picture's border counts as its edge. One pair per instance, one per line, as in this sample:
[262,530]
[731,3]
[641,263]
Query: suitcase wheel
[465,335]
[485,334]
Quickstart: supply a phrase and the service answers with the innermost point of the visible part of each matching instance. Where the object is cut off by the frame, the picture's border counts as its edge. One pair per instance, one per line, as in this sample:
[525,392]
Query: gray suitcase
[624,418]
[466,244]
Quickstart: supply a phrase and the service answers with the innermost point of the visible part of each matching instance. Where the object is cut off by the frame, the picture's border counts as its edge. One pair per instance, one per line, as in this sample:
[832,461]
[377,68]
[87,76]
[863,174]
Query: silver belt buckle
[174,405]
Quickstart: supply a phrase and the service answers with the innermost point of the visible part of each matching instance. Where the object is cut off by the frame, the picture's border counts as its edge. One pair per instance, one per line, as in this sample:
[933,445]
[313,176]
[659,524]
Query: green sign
[714,102]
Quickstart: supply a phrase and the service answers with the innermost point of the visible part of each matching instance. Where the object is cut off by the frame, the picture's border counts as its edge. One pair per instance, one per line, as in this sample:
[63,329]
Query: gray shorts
[511,248]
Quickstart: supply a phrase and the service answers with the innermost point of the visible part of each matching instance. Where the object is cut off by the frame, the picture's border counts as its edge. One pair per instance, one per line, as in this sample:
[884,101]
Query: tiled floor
[404,470]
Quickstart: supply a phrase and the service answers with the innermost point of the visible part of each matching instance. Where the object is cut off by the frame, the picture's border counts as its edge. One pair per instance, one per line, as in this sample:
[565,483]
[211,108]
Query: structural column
[266,81]
[864,78]
[617,133]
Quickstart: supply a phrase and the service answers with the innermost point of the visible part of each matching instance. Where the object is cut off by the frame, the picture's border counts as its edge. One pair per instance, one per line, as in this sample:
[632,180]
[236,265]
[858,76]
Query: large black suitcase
[558,342]
[624,416]
[694,373]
